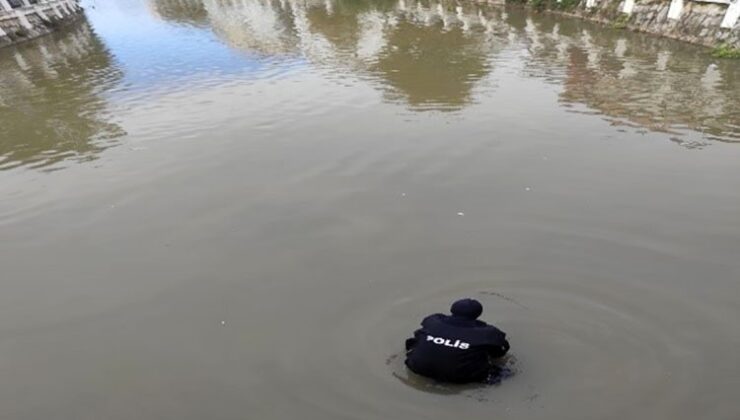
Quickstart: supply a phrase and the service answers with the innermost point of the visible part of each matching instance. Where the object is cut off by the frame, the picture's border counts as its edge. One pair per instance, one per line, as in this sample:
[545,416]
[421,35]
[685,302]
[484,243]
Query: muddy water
[239,210]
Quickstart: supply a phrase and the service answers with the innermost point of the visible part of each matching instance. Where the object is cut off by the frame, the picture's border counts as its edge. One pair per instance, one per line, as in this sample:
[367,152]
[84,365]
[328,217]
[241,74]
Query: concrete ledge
[22,21]
[704,22]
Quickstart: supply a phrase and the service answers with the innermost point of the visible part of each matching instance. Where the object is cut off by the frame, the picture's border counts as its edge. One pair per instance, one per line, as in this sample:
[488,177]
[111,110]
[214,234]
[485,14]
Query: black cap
[467,308]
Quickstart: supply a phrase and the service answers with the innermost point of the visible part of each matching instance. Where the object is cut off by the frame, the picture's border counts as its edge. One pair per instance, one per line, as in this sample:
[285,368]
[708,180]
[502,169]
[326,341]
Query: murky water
[239,210]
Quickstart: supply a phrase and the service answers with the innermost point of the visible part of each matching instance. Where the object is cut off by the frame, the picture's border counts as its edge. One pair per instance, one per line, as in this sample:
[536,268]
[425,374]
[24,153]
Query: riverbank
[712,23]
[23,20]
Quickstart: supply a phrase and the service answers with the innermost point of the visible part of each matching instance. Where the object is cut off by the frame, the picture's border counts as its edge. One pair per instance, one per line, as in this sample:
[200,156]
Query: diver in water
[456,348]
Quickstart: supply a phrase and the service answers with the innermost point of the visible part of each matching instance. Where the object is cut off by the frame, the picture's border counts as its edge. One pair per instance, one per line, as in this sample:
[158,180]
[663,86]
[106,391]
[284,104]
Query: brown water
[239,210]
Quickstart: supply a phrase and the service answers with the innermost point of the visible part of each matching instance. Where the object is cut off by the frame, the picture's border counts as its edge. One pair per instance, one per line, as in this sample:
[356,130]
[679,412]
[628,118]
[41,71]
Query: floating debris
[460,213]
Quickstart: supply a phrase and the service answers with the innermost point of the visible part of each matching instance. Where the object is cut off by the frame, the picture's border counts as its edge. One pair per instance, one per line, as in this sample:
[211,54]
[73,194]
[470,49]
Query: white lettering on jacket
[449,343]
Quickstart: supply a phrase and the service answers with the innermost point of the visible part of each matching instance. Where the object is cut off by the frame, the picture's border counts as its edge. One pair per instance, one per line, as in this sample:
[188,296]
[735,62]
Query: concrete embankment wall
[705,22]
[688,20]
[21,20]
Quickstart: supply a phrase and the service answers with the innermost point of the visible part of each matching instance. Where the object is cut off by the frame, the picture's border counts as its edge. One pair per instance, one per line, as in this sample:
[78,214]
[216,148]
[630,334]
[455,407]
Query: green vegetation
[538,5]
[567,4]
[621,21]
[612,7]
[725,51]
[541,5]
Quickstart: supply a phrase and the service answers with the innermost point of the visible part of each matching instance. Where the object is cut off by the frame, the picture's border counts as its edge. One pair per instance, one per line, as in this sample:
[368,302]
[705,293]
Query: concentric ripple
[615,350]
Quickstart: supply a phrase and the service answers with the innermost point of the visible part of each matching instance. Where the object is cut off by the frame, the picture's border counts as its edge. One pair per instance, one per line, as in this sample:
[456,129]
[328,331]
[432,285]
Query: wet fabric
[455,349]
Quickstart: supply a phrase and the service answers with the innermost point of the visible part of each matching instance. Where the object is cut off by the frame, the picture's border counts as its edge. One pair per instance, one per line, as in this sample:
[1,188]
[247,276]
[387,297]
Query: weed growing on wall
[621,21]
[541,5]
[725,51]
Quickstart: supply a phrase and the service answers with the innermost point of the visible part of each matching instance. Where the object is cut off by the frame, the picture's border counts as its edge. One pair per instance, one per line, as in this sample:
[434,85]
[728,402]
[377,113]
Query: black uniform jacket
[454,349]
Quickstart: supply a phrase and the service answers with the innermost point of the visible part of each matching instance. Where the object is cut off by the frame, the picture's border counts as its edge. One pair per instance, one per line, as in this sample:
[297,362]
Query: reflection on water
[431,55]
[426,55]
[187,12]
[52,104]
[639,80]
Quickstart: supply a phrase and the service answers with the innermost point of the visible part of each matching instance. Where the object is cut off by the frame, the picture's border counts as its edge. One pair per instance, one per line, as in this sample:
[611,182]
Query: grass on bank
[725,51]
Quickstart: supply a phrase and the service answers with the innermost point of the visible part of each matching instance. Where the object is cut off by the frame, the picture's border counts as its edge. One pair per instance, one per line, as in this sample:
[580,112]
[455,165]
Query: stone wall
[705,22]
[699,23]
[22,20]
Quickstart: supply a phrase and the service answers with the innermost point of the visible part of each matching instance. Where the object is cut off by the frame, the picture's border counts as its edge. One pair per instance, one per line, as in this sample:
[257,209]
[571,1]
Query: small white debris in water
[223,322]
[527,188]
[403,194]
[460,213]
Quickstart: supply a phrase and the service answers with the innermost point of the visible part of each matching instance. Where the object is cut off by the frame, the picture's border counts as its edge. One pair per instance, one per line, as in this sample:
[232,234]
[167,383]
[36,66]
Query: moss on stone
[621,21]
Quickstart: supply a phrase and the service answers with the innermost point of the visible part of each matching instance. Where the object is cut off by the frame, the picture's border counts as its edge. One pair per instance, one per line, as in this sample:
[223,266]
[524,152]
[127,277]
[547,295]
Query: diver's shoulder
[492,329]
[434,318]
[496,333]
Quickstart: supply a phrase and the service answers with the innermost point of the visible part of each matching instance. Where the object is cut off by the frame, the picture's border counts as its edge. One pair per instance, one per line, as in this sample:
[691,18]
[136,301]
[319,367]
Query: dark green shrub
[538,4]
[567,4]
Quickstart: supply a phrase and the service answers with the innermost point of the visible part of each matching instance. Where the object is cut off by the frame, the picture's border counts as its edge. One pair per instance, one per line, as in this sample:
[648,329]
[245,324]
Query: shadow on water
[433,55]
[52,100]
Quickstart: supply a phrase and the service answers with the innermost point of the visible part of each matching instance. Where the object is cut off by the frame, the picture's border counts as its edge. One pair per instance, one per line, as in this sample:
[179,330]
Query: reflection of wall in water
[637,79]
[188,12]
[51,103]
[429,53]
[22,20]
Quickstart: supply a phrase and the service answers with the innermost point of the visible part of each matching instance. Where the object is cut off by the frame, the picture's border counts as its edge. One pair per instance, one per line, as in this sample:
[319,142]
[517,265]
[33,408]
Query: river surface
[240,209]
